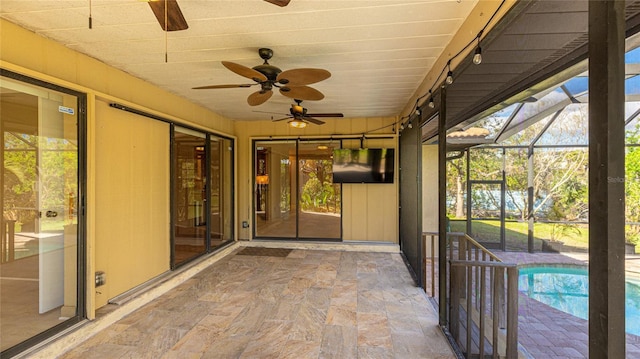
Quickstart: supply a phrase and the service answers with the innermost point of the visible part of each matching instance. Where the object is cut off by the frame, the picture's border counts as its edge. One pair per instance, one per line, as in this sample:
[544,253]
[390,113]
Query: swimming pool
[567,289]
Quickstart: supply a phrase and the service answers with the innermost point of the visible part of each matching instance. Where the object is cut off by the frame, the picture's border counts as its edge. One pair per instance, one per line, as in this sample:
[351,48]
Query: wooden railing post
[433,265]
[454,310]
[429,255]
[462,248]
[424,262]
[512,312]
[462,255]
[494,313]
[483,306]
[500,297]
[450,242]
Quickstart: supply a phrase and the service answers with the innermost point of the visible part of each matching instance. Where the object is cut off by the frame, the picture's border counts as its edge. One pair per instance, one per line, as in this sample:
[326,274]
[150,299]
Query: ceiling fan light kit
[299,118]
[297,123]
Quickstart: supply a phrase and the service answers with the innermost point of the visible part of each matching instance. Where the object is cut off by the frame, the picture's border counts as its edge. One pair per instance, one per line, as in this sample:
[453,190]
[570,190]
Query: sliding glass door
[221,203]
[320,212]
[294,196]
[39,235]
[202,194]
[275,196]
[189,195]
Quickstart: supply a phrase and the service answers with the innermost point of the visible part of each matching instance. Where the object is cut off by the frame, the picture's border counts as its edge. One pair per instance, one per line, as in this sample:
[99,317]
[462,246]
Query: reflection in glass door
[275,192]
[319,196]
[189,191]
[220,212]
[39,227]
[294,194]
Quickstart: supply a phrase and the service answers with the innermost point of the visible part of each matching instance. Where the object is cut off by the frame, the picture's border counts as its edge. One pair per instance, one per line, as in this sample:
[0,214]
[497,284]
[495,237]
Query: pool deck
[546,332]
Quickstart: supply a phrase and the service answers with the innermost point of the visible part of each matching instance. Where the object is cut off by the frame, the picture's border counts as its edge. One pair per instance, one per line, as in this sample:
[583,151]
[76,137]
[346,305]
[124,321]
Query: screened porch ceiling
[380,53]
[542,119]
[534,65]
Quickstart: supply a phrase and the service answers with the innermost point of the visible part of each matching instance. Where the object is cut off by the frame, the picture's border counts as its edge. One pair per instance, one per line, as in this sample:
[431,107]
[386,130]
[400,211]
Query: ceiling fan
[291,83]
[298,116]
[170,11]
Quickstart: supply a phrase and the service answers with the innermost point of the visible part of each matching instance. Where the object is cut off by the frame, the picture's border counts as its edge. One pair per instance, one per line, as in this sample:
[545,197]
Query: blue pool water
[567,289]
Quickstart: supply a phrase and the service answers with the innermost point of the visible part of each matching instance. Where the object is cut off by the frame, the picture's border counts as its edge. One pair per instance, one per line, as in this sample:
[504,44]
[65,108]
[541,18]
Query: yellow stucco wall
[132,200]
[430,188]
[369,211]
[127,206]
[127,203]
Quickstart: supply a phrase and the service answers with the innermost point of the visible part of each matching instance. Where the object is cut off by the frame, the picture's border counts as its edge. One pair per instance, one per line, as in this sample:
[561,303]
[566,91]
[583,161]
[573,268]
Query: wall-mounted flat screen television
[364,165]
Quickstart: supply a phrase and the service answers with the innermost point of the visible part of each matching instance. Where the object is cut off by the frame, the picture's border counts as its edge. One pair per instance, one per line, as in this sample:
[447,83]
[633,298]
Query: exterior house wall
[369,211]
[127,199]
[430,188]
[430,194]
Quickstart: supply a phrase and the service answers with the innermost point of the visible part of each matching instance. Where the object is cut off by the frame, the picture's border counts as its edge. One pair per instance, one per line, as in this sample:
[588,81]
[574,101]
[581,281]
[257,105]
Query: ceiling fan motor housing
[270,71]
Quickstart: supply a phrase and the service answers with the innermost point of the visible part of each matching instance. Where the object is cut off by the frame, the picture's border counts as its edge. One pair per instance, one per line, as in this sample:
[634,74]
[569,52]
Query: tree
[456,183]
[560,175]
[318,192]
[39,172]
[561,181]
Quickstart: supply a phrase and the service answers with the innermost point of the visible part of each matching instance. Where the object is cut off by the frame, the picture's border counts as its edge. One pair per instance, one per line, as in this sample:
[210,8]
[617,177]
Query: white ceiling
[378,51]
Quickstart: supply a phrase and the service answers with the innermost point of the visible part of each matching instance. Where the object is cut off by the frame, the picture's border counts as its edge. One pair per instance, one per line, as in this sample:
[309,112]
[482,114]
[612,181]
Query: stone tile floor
[549,333]
[309,304]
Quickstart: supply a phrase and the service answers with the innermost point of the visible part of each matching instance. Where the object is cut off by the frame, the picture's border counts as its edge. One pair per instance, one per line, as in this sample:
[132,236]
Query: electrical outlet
[101,278]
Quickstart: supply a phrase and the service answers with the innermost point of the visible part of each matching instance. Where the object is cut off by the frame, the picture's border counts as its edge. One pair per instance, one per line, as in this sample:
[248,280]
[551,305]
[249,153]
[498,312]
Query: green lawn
[516,233]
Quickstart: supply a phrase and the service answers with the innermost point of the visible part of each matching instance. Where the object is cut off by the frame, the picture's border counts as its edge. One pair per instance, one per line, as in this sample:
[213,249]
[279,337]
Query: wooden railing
[482,310]
[429,267]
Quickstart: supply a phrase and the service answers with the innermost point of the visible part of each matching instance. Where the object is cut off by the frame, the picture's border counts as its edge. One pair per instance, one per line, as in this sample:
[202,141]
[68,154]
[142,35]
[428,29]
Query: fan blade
[302,93]
[325,115]
[221,86]
[273,113]
[175,19]
[258,98]
[284,118]
[245,71]
[279,2]
[313,120]
[299,77]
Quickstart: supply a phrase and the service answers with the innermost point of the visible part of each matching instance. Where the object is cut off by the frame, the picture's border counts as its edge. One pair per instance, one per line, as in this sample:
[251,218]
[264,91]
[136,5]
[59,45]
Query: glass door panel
[275,195]
[319,197]
[39,228]
[294,192]
[220,210]
[190,219]
[487,213]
